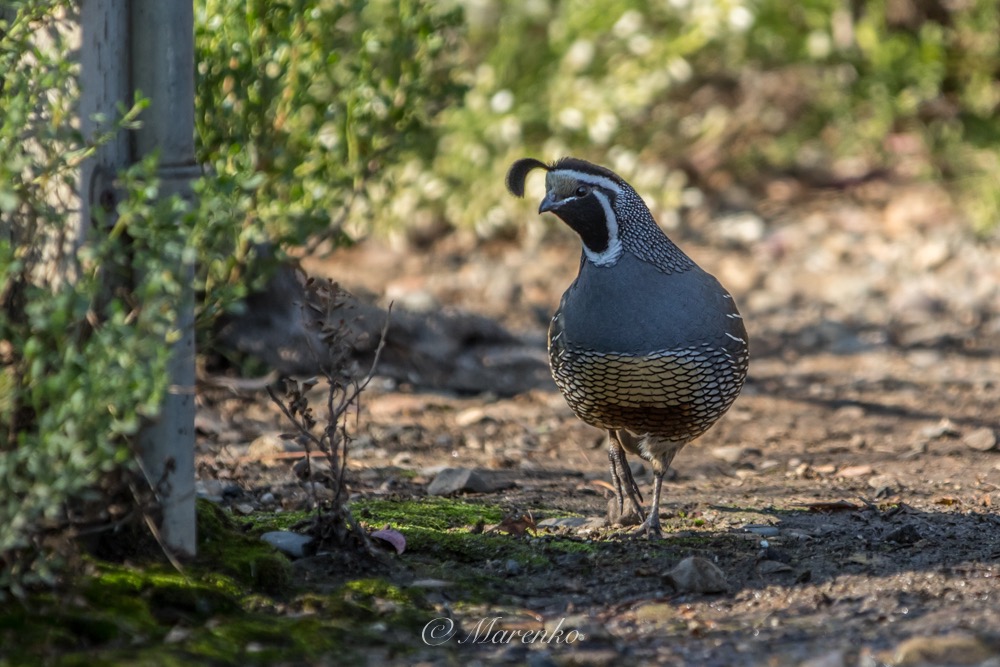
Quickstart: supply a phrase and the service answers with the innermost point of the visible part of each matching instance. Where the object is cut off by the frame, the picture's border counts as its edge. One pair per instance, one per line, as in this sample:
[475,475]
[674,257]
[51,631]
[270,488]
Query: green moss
[223,548]
[432,513]
[263,522]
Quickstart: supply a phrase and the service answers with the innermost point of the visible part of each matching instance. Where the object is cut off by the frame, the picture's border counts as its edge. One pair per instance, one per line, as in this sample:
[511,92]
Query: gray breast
[632,347]
[633,308]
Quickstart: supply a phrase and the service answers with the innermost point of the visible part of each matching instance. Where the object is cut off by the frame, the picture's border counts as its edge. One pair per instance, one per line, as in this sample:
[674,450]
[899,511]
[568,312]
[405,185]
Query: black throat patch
[587,218]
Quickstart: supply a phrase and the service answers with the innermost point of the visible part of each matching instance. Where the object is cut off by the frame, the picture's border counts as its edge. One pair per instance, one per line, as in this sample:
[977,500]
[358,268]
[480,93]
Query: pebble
[885,485]
[564,522]
[209,489]
[465,480]
[729,453]
[697,575]
[772,567]
[762,530]
[957,648]
[512,567]
[834,658]
[289,543]
[265,447]
[315,467]
[982,439]
[904,535]
[246,509]
[944,428]
[744,228]
[267,498]
[855,471]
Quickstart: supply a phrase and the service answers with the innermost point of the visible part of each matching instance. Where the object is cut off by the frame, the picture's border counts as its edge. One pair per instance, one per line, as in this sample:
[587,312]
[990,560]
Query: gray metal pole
[162,68]
[104,85]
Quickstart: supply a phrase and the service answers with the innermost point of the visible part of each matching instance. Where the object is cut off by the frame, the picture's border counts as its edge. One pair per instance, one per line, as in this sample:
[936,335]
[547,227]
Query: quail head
[645,344]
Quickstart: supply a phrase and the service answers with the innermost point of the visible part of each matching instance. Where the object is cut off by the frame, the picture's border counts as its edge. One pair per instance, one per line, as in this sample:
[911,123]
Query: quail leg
[621,476]
[651,526]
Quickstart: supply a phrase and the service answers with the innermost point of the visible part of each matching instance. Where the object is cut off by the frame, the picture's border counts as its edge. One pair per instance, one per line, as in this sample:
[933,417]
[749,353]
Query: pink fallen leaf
[392,537]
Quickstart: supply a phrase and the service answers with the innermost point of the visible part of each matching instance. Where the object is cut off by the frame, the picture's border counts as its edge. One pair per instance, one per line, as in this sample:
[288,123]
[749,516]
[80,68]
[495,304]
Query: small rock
[697,575]
[762,530]
[884,485]
[855,471]
[957,648]
[834,658]
[430,583]
[743,228]
[848,413]
[265,448]
[588,657]
[209,489]
[267,498]
[464,480]
[470,416]
[772,567]
[595,523]
[512,567]
[318,489]
[982,439]
[246,509]
[904,535]
[289,543]
[564,522]
[541,659]
[402,459]
[729,453]
[944,428]
[316,467]
[177,634]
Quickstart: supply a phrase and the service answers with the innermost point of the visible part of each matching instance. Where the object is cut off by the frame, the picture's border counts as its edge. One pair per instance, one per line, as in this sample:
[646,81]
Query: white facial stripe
[599,181]
[614,250]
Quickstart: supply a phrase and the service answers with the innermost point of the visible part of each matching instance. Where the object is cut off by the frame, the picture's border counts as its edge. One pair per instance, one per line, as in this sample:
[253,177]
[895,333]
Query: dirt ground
[848,496]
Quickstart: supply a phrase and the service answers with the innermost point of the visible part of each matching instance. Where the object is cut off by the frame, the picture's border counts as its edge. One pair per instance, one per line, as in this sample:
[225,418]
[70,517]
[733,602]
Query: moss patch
[223,548]
[238,603]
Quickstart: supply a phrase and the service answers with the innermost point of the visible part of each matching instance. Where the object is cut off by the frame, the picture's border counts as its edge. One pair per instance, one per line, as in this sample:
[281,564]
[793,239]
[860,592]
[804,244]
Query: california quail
[645,344]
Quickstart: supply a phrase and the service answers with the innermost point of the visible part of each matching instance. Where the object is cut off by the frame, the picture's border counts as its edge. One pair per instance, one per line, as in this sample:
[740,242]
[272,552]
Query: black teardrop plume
[518,172]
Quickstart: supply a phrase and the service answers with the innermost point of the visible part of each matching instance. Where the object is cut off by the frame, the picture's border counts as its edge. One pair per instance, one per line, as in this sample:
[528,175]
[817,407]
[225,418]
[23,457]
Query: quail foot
[644,344]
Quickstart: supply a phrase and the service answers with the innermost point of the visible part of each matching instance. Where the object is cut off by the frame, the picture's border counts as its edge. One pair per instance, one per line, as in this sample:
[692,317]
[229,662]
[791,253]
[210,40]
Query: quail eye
[583,191]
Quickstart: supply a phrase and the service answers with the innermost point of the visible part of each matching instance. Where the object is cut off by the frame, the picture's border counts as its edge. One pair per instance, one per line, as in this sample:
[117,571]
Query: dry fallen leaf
[517,525]
[604,485]
[391,537]
[947,500]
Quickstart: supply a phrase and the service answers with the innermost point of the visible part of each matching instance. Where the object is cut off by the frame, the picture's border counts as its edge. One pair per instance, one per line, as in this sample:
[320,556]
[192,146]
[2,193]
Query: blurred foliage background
[708,95]
[685,98]
[328,119]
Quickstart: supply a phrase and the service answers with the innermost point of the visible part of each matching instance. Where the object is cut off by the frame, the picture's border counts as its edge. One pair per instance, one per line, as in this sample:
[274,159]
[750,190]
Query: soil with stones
[848,497]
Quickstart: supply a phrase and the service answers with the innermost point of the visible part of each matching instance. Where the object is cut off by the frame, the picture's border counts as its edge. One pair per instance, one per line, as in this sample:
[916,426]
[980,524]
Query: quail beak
[547,204]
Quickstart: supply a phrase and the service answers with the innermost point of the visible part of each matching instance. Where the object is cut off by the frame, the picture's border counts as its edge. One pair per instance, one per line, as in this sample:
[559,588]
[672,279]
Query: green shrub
[303,110]
[82,364]
[314,104]
[706,94]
